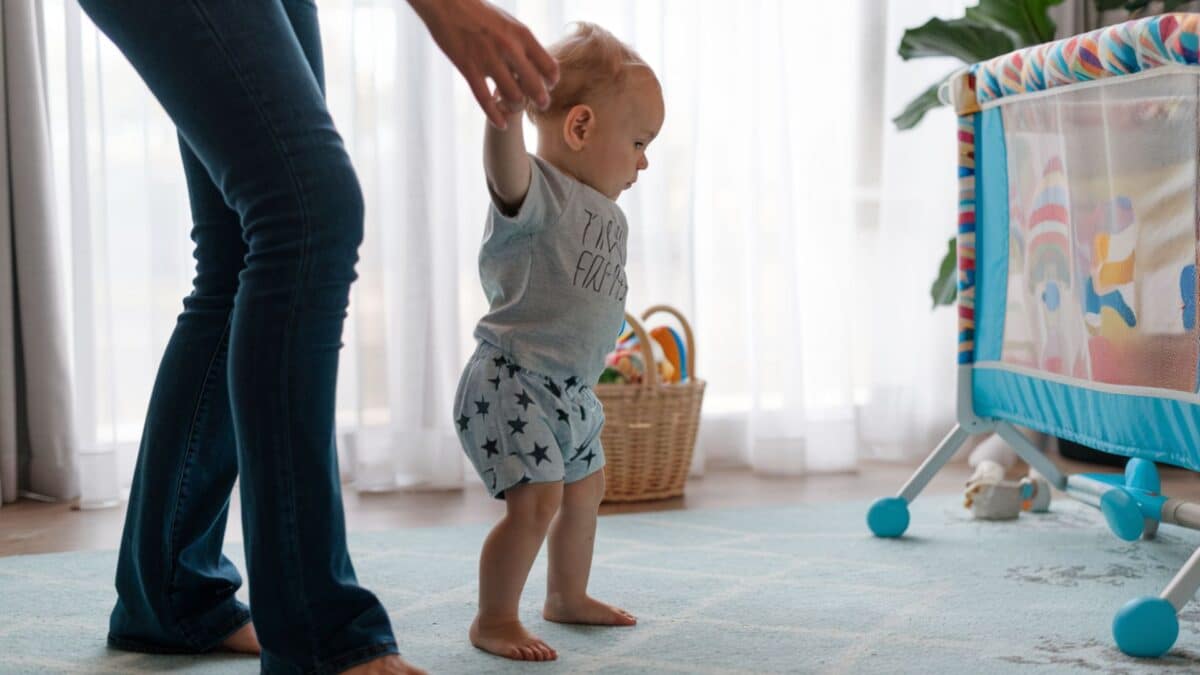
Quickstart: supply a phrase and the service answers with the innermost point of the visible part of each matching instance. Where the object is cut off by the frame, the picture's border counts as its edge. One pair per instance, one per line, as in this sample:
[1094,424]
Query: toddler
[552,265]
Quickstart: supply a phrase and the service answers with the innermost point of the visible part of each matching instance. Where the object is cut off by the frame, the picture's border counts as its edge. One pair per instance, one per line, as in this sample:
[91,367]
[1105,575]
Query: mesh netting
[1103,231]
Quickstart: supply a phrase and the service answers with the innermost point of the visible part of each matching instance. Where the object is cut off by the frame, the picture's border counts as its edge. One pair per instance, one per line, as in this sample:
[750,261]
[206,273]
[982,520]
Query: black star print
[562,415]
[513,369]
[582,414]
[499,361]
[496,381]
[579,451]
[553,388]
[481,407]
[572,381]
[523,400]
[589,457]
[524,479]
[490,447]
[539,454]
[463,421]
[518,426]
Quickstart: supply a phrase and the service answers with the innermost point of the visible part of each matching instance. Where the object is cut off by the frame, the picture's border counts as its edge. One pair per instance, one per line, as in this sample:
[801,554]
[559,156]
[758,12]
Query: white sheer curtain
[909,399]
[779,212]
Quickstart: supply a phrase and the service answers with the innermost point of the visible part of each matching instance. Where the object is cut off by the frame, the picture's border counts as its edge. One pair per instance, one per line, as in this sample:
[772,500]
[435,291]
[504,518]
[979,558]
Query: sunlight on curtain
[769,215]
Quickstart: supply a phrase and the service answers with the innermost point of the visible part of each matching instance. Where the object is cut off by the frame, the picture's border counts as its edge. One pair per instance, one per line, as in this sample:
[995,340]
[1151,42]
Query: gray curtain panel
[37,447]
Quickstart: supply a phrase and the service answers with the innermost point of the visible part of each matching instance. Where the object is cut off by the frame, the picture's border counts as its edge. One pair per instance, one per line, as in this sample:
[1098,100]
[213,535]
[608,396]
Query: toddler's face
[617,153]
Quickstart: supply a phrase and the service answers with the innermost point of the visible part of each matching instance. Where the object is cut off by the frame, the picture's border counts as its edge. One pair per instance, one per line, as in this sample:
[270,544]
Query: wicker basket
[651,427]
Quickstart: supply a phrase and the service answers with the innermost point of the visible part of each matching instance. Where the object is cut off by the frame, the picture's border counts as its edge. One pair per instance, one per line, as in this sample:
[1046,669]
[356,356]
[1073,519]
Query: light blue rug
[795,589]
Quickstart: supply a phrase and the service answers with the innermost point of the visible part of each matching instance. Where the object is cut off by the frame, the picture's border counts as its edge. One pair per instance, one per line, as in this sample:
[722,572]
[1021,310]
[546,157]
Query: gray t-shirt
[554,275]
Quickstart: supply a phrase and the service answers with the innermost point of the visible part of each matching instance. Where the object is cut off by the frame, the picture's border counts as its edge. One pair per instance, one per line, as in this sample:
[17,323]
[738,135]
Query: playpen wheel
[888,517]
[1146,627]
[1124,517]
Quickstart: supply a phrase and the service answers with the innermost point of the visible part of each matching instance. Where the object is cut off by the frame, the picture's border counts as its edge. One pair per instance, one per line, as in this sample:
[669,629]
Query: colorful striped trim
[1130,47]
[966,238]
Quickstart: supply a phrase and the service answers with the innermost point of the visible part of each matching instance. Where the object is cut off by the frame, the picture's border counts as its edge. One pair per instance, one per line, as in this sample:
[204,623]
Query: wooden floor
[34,527]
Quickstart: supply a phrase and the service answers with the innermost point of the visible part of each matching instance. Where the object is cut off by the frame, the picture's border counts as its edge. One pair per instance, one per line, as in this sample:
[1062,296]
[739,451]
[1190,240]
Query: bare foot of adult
[385,665]
[508,638]
[586,611]
[243,641]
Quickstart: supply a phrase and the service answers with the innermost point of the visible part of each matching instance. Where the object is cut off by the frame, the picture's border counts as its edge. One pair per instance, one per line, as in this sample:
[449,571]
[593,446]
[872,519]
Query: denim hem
[337,664]
[235,623]
[354,657]
[239,618]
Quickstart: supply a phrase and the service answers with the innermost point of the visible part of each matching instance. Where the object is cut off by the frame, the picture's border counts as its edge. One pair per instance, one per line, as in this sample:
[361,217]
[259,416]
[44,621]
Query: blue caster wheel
[1123,515]
[1143,475]
[888,517]
[1146,627]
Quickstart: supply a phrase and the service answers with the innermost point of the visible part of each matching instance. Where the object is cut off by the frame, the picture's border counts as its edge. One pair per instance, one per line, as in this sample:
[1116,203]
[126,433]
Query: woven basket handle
[688,337]
[650,376]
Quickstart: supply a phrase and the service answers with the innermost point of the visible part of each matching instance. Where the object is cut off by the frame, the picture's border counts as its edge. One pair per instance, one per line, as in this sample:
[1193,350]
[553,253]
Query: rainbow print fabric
[1123,49]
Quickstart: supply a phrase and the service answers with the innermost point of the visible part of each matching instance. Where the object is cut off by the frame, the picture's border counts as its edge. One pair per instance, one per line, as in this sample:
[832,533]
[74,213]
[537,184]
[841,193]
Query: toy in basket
[625,364]
[1077,255]
[652,414]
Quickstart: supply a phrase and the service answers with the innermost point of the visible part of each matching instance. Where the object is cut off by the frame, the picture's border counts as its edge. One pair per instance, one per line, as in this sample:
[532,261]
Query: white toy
[989,496]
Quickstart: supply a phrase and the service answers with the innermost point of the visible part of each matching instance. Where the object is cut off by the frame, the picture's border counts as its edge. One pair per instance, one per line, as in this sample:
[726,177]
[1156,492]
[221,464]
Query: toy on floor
[1077,289]
[990,496]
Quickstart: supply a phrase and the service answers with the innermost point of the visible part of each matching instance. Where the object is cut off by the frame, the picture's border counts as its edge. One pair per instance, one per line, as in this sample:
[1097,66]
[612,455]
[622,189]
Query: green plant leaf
[1172,5]
[915,111]
[1106,5]
[963,39]
[945,288]
[1027,22]
[1135,6]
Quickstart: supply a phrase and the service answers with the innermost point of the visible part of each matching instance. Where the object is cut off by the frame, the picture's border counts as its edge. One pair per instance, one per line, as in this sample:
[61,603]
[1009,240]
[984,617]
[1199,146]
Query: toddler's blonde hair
[592,64]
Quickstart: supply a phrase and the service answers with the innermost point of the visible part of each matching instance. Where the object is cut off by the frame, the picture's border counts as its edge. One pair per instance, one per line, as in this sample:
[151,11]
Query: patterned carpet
[773,590]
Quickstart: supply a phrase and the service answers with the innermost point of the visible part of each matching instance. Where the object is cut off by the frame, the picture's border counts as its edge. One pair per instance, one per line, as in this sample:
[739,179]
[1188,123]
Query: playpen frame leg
[1149,626]
[888,517]
[1181,513]
[1181,589]
[934,463]
[1034,457]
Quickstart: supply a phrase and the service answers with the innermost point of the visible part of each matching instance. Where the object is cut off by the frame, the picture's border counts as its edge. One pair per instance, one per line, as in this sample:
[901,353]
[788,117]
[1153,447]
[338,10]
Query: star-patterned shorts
[518,426]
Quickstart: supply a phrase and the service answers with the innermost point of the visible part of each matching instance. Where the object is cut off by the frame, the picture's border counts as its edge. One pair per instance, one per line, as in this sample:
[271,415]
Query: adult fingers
[506,84]
[538,56]
[487,102]
[530,80]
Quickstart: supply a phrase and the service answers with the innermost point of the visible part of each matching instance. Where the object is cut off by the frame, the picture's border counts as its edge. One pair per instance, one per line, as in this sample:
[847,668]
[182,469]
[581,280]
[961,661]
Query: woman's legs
[175,587]
[236,80]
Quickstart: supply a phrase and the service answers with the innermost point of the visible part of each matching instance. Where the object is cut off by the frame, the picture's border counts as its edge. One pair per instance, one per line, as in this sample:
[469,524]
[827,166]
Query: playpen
[1077,251]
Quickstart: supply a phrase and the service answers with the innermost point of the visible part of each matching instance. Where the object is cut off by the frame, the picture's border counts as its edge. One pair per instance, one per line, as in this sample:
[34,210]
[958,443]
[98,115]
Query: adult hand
[483,41]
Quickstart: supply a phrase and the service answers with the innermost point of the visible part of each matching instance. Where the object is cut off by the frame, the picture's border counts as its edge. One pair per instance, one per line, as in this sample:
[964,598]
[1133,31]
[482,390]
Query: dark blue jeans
[246,386]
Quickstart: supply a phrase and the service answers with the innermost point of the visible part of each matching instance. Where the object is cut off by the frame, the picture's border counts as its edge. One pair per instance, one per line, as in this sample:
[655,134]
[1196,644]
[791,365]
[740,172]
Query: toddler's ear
[578,126]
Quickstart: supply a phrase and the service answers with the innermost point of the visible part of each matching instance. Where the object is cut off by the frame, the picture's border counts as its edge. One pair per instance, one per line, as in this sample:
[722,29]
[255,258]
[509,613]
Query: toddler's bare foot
[587,611]
[508,638]
[385,665]
[243,641]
